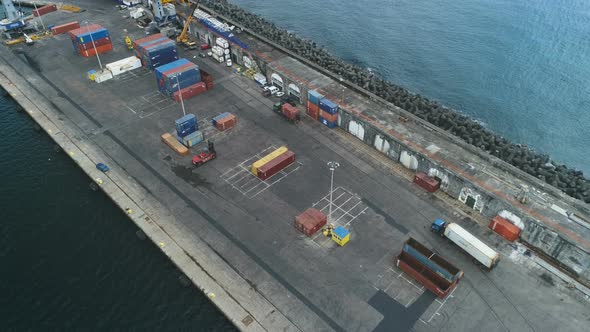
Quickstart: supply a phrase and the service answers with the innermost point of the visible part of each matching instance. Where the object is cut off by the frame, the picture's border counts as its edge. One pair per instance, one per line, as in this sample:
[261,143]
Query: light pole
[180,95]
[93,45]
[40,16]
[332,165]
[342,93]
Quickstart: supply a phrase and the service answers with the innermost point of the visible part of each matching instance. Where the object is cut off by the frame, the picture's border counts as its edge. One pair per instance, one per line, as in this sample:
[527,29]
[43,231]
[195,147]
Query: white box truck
[487,256]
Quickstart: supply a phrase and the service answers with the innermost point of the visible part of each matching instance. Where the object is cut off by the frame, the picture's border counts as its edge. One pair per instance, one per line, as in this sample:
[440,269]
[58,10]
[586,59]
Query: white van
[273,90]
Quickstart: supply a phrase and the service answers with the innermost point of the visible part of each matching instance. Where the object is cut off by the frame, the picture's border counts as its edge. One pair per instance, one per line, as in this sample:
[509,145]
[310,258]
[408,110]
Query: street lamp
[180,95]
[93,45]
[40,16]
[342,93]
[332,165]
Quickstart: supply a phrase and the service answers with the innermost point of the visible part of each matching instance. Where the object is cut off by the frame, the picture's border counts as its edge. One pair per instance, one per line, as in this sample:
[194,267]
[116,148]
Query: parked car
[273,90]
[202,55]
[280,94]
[228,63]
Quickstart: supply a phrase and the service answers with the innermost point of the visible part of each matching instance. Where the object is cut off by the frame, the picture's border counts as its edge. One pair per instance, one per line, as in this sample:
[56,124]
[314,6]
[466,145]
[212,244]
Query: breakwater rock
[570,181]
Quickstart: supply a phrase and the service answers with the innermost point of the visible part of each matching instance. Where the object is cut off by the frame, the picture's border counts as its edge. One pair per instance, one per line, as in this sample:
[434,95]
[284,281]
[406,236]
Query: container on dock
[314,97]
[63,28]
[224,121]
[174,144]
[432,260]
[123,65]
[290,112]
[270,156]
[99,49]
[310,221]
[158,53]
[139,41]
[179,75]
[313,110]
[328,106]
[505,228]
[329,124]
[186,125]
[192,139]
[329,117]
[207,79]
[190,91]
[91,39]
[44,10]
[432,281]
[276,165]
[428,183]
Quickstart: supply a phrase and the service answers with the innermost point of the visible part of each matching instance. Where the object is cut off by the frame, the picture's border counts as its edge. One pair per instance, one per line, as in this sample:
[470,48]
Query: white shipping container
[472,245]
[124,65]
[136,13]
[101,76]
[222,43]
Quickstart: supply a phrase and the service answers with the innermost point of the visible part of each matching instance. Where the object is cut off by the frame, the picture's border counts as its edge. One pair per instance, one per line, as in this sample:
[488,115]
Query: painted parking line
[241,178]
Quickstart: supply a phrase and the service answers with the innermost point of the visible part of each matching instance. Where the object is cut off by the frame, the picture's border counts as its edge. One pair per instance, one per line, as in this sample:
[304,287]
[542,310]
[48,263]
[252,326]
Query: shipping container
[101,76]
[226,123]
[505,228]
[313,110]
[329,124]
[428,183]
[174,144]
[290,112]
[192,139]
[84,36]
[191,91]
[432,260]
[329,117]
[328,106]
[206,76]
[155,36]
[276,165]
[123,65]
[63,28]
[314,97]
[219,117]
[472,245]
[270,156]
[100,50]
[44,10]
[435,283]
[185,121]
[80,47]
[310,221]
[169,67]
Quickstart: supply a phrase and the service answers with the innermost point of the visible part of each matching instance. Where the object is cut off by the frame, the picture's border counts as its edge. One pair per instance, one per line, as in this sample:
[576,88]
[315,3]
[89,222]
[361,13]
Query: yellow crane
[183,37]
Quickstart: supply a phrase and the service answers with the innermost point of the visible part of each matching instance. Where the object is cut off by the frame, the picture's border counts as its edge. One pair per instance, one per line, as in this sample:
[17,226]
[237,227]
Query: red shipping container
[310,221]
[276,165]
[205,46]
[190,91]
[84,30]
[226,123]
[428,183]
[63,28]
[144,49]
[435,283]
[99,50]
[97,43]
[329,117]
[290,112]
[146,39]
[313,110]
[505,228]
[44,10]
[209,85]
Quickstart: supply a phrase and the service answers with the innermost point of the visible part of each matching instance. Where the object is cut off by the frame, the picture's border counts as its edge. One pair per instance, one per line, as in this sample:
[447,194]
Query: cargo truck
[480,251]
[434,272]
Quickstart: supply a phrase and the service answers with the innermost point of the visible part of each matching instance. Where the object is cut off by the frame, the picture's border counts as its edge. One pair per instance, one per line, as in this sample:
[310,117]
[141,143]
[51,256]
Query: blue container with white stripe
[328,106]
[93,35]
[329,124]
[314,97]
[429,263]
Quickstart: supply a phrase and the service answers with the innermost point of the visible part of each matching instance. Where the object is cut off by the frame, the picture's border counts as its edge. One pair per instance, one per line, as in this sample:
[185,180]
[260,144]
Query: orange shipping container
[329,117]
[313,110]
[174,144]
[99,49]
[505,228]
[226,123]
[310,221]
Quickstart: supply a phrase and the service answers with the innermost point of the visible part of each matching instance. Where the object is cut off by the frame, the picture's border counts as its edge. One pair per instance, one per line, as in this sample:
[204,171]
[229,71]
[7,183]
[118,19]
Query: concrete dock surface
[233,234]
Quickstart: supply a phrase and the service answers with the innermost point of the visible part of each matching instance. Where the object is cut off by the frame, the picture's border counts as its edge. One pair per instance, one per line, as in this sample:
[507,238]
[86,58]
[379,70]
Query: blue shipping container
[430,264]
[143,45]
[153,49]
[186,131]
[327,105]
[174,64]
[160,61]
[329,124]
[192,139]
[189,118]
[314,97]
[219,117]
[94,35]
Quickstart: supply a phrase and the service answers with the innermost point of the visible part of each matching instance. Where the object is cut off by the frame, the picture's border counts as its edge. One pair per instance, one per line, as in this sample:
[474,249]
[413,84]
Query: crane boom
[183,37]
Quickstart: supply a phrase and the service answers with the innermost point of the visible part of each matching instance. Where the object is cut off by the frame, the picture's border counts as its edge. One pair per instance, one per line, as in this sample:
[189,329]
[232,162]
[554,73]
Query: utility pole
[93,45]
[180,95]
[332,165]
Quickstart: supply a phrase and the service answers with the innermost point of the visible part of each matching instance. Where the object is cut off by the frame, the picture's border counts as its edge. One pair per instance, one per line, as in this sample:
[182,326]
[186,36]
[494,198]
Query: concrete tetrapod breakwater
[570,181]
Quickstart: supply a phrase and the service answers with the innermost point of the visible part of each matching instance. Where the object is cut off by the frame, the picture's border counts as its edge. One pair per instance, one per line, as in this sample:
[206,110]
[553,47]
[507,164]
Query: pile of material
[310,221]
[155,50]
[180,77]
[90,40]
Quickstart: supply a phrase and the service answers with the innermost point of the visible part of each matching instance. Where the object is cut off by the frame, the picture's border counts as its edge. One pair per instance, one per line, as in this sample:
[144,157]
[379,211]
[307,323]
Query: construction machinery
[14,19]
[183,37]
[128,42]
[205,156]
[28,39]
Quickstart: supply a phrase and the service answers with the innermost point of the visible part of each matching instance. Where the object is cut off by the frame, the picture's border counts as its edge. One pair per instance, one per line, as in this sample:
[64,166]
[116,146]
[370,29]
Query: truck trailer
[485,255]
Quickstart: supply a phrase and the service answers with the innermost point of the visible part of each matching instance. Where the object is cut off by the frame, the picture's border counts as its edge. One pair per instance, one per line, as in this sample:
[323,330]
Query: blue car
[102,167]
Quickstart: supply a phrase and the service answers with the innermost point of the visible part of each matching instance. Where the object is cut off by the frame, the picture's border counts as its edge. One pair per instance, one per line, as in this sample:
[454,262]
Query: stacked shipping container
[224,121]
[155,50]
[90,40]
[310,221]
[187,130]
[313,104]
[180,75]
[63,28]
[328,113]
[273,163]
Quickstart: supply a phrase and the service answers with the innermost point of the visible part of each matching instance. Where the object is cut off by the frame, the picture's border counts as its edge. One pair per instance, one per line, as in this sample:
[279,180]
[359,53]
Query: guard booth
[340,235]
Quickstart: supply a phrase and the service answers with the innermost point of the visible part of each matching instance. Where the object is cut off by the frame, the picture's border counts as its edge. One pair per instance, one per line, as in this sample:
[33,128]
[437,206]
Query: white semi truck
[485,255]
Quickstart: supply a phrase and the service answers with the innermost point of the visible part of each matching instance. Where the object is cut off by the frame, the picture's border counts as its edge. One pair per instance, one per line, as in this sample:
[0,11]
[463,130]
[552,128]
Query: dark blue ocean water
[520,67]
[70,260]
